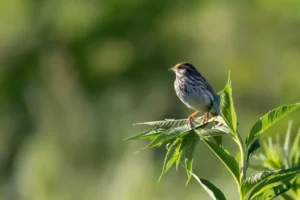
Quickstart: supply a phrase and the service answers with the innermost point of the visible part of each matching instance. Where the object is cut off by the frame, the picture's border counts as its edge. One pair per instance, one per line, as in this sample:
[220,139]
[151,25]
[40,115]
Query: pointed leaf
[165,124]
[287,139]
[251,181]
[253,147]
[275,191]
[274,180]
[221,127]
[182,146]
[268,120]
[273,158]
[189,156]
[214,132]
[227,108]
[204,132]
[150,134]
[218,140]
[227,159]
[295,155]
[169,135]
[171,156]
[214,192]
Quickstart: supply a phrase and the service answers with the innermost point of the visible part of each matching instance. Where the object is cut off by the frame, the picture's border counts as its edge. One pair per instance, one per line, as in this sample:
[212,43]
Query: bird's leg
[209,115]
[191,117]
[205,117]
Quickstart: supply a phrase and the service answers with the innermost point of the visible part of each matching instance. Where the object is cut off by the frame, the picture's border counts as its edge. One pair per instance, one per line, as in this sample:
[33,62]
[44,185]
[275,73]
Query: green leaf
[275,191]
[169,135]
[227,159]
[238,158]
[274,159]
[253,147]
[227,108]
[296,187]
[268,120]
[251,181]
[215,133]
[286,145]
[165,124]
[150,134]
[274,180]
[171,156]
[189,156]
[221,127]
[214,192]
[218,139]
[204,132]
[182,146]
[295,152]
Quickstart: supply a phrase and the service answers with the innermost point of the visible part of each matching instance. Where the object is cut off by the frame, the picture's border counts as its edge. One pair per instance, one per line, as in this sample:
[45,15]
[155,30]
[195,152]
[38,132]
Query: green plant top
[181,141]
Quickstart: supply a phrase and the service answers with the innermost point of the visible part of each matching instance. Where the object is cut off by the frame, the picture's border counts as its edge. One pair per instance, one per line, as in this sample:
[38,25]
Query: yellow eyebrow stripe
[177,65]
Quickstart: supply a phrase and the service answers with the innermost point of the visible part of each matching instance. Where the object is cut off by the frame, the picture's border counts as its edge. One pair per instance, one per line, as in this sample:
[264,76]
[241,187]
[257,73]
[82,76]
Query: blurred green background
[76,74]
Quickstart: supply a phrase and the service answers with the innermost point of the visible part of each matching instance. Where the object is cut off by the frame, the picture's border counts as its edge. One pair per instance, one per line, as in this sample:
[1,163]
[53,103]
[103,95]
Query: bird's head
[183,69]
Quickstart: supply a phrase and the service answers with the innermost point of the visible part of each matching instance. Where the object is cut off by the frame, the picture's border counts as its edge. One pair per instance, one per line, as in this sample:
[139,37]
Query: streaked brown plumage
[194,91]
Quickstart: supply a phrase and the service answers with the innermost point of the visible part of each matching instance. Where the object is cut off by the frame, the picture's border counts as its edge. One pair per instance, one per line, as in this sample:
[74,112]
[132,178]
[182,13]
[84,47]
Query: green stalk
[243,157]
[238,139]
[242,148]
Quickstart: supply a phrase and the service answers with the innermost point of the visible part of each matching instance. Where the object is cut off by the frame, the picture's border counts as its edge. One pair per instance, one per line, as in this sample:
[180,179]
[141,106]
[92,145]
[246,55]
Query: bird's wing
[209,88]
[215,98]
[216,104]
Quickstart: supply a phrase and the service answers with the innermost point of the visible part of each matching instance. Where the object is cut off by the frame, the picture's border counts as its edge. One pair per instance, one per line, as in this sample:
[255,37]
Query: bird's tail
[215,111]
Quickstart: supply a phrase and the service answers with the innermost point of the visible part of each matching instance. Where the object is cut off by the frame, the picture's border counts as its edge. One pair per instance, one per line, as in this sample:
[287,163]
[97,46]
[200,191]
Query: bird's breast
[192,95]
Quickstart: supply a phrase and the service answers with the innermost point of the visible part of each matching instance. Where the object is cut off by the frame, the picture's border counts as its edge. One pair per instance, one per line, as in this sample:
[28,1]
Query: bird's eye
[181,67]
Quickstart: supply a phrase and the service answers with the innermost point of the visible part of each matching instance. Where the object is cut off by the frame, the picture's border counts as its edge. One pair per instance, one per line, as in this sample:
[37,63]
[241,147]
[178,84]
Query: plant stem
[243,156]
[243,152]
[240,192]
[242,147]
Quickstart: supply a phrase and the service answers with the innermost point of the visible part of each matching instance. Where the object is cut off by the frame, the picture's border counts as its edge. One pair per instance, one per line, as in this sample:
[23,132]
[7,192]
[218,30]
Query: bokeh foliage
[75,74]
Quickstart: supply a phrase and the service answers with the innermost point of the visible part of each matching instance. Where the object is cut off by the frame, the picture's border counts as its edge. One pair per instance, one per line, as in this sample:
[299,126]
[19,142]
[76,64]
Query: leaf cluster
[277,155]
[181,141]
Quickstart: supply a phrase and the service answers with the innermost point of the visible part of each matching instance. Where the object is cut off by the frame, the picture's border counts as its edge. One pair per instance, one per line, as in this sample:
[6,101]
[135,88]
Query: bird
[195,92]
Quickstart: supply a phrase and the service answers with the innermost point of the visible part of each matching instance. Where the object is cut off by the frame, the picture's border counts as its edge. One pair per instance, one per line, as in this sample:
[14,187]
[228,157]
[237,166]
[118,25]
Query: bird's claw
[189,122]
[205,117]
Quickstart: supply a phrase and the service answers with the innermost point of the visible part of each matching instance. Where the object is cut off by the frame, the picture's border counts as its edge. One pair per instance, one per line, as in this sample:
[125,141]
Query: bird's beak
[172,69]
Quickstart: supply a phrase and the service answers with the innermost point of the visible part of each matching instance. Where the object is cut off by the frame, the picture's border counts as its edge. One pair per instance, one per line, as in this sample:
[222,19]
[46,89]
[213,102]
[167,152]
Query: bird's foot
[204,118]
[189,122]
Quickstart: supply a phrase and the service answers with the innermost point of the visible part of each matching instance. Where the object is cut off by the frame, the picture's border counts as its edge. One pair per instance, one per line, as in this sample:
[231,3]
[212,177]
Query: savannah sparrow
[194,91]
